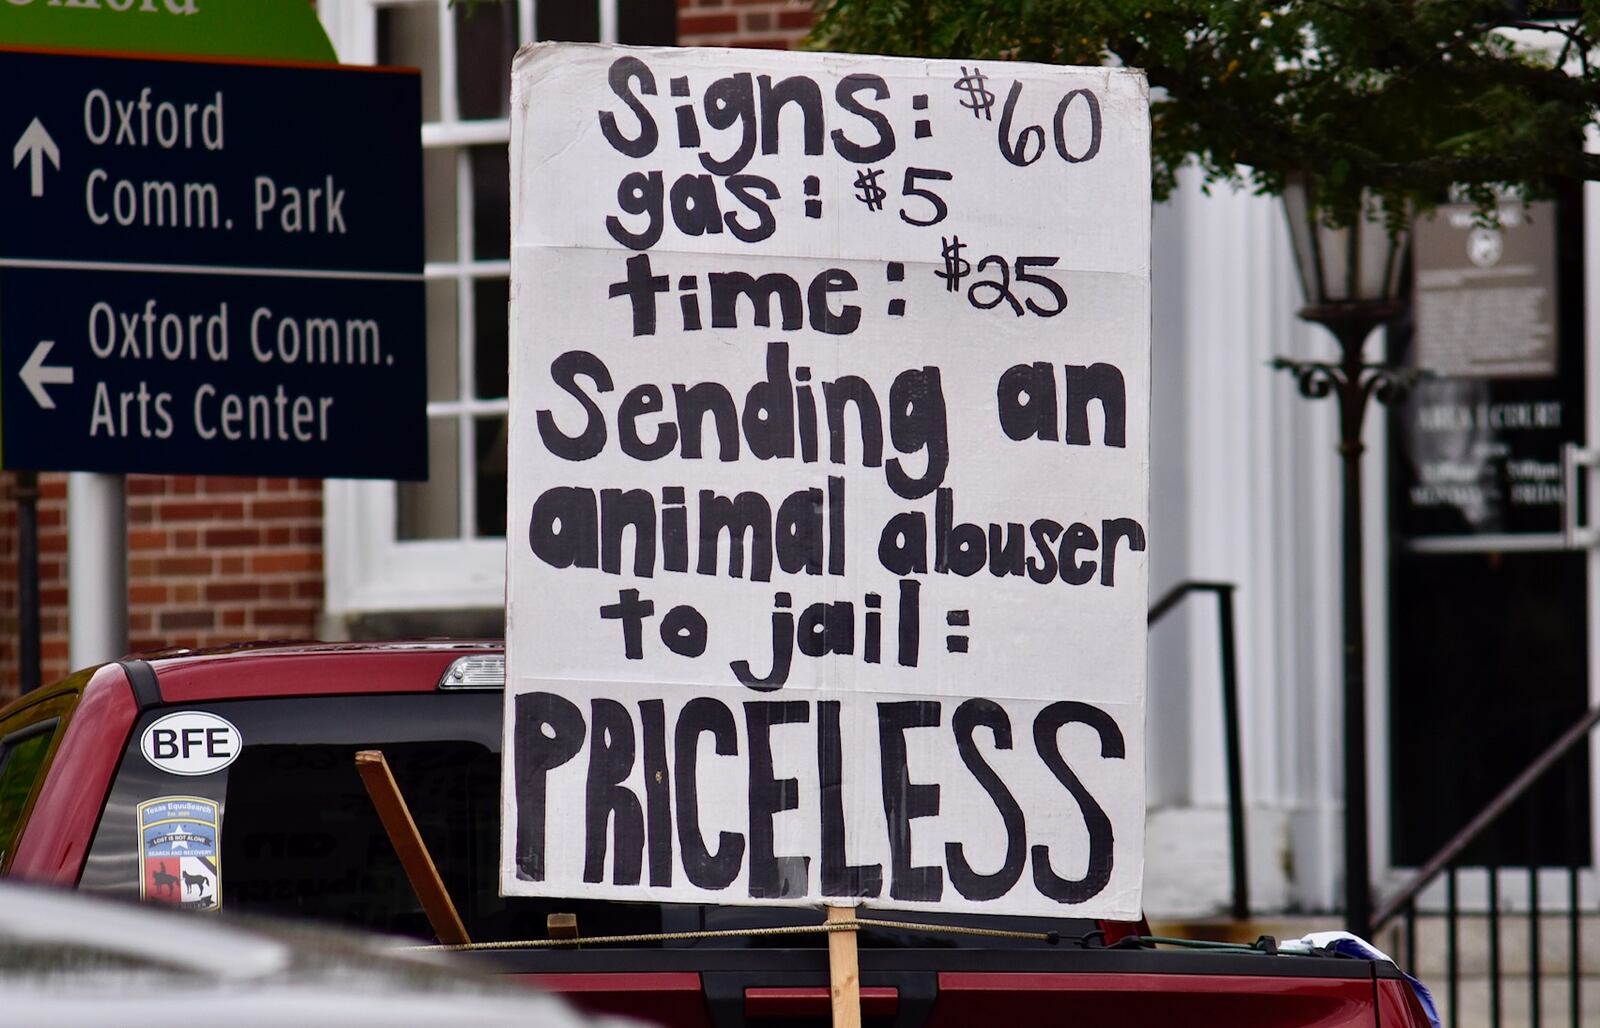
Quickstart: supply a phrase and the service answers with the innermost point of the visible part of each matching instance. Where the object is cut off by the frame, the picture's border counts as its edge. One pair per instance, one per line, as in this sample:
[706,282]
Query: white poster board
[829,475]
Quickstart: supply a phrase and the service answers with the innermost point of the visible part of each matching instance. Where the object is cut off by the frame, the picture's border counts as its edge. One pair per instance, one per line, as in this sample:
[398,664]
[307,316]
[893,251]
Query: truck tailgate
[717,988]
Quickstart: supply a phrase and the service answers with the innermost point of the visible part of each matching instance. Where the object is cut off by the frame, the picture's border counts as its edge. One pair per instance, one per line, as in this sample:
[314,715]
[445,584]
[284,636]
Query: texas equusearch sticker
[179,852]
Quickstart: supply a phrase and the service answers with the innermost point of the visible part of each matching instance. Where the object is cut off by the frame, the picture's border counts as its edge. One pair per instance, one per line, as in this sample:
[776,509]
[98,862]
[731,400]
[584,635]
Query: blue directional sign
[211,268]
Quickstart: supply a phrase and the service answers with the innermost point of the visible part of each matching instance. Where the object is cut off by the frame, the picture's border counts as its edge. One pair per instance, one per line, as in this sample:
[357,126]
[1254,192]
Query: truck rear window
[296,833]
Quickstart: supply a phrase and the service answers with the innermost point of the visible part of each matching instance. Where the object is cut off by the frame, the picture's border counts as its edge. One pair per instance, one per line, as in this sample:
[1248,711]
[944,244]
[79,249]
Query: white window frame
[368,568]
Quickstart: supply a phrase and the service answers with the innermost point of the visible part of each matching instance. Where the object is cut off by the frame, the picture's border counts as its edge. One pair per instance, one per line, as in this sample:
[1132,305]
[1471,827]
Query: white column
[1244,479]
[97,568]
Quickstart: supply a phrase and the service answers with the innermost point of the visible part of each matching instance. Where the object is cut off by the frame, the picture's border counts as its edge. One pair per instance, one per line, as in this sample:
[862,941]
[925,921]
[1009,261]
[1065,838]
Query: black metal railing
[1230,724]
[1563,759]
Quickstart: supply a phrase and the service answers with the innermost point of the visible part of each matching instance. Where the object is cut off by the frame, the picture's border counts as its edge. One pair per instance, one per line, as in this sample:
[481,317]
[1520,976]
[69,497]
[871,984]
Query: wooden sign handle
[844,971]
[413,852]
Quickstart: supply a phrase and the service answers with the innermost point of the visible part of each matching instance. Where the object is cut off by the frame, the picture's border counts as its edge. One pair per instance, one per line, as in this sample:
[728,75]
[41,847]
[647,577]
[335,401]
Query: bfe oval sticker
[191,742]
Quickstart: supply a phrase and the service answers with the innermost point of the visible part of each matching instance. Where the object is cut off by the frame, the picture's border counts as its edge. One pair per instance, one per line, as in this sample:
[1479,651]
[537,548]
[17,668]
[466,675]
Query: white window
[440,544]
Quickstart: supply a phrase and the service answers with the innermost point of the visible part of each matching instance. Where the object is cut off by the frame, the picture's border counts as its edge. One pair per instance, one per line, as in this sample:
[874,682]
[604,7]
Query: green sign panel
[281,30]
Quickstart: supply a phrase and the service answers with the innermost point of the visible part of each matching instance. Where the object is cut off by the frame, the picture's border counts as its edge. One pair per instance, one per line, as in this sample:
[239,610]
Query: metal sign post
[97,567]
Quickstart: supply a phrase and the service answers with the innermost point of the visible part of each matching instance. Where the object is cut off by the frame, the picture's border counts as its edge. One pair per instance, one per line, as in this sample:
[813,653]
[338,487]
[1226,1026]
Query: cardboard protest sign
[829,478]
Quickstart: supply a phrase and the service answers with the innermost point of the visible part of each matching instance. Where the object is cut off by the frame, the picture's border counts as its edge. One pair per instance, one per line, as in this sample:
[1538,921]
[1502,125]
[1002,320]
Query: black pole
[1230,727]
[27,492]
[1352,406]
[1353,382]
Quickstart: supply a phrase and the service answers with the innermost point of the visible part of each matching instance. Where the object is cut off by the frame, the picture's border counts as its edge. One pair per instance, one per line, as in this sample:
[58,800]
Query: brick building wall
[218,560]
[52,508]
[773,24]
[210,561]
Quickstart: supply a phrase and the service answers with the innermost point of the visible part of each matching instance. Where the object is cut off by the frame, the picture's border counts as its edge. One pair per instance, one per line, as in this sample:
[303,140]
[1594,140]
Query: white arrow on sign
[36,144]
[36,375]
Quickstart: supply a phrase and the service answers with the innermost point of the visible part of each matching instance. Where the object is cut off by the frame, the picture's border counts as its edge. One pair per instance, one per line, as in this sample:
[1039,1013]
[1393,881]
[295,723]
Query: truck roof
[258,669]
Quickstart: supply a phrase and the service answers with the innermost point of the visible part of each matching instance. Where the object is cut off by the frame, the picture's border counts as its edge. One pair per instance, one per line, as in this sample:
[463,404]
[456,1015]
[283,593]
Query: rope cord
[853,924]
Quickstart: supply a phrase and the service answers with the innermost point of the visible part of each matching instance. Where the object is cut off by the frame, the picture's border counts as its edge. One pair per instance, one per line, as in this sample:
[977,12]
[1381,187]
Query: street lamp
[1350,273]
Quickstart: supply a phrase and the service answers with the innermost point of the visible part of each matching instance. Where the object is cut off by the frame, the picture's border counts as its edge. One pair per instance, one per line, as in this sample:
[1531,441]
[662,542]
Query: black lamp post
[1351,276]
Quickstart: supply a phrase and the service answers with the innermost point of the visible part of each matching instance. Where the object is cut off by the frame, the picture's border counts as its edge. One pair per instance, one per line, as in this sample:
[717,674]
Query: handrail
[1170,599]
[1469,834]
[1230,724]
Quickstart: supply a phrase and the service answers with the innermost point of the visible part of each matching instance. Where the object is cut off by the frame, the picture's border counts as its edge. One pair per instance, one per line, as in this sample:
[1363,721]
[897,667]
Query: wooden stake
[408,844]
[844,971]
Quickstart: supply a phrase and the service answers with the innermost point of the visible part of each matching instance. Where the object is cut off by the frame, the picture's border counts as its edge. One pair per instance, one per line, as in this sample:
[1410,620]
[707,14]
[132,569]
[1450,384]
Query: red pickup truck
[227,779]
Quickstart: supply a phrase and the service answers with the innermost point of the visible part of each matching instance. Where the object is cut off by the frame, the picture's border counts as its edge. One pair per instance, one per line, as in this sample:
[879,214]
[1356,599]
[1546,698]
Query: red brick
[284,509]
[201,510]
[240,536]
[185,539]
[223,484]
[758,21]
[706,24]
[200,565]
[183,486]
[147,485]
[147,540]
[794,19]
[223,592]
[233,618]
[186,592]
[269,563]
[146,593]
[231,565]
[293,617]
[179,619]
